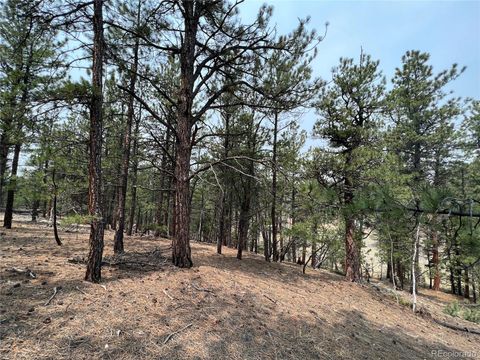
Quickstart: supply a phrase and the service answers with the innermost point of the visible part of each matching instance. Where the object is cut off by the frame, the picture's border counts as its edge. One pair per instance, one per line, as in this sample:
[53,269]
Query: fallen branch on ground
[26,271]
[83,292]
[202,289]
[458,328]
[165,292]
[175,333]
[269,298]
[55,292]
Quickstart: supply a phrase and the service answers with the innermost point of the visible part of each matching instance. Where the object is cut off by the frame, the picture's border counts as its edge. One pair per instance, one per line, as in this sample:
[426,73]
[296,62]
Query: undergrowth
[457,310]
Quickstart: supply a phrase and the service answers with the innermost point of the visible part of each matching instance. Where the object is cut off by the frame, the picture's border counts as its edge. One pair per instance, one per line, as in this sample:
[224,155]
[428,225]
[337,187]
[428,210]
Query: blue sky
[448,30]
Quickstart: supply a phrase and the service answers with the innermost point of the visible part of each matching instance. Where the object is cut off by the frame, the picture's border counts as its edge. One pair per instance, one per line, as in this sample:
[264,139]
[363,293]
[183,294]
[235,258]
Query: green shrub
[452,309]
[455,309]
[472,315]
[75,219]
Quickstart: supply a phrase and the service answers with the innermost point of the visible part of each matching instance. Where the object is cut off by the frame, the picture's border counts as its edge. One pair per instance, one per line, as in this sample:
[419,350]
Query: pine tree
[349,120]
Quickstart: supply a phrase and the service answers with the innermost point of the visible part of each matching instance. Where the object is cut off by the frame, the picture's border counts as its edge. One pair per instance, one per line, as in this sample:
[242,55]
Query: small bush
[404,302]
[452,309]
[472,315]
[455,309]
[75,219]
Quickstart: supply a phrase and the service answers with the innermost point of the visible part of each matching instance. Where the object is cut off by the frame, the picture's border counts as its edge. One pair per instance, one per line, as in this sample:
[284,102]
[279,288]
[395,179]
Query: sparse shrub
[472,315]
[404,302]
[452,309]
[455,309]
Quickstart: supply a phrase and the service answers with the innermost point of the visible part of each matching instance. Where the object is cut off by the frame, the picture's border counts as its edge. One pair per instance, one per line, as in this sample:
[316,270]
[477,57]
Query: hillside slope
[222,308]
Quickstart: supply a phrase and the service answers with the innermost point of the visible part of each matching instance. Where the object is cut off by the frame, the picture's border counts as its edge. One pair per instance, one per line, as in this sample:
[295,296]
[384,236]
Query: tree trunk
[352,254]
[314,257]
[474,290]
[352,264]
[45,204]
[244,218]
[451,271]
[160,218]
[12,187]
[94,260]
[304,251]
[225,191]
[4,149]
[35,206]
[436,262]
[122,193]
[466,293]
[181,243]
[274,189]
[181,254]
[133,186]
[266,243]
[54,210]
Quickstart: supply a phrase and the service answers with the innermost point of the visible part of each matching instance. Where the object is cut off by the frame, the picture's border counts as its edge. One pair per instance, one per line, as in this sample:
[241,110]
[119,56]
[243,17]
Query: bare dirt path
[221,309]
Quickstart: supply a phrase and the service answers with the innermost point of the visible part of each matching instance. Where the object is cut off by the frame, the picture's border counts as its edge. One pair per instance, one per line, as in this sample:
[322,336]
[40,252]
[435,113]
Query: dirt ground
[221,309]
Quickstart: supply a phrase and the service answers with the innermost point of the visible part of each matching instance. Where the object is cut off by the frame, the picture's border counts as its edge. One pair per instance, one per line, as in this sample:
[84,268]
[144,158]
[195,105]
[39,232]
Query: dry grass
[237,309]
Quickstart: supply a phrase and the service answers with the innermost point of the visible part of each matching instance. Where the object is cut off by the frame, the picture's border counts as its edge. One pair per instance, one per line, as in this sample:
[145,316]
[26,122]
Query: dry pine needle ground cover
[221,309]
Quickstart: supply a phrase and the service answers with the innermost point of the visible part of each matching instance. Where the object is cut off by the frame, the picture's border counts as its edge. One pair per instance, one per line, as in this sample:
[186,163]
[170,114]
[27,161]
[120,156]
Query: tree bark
[466,292]
[274,189]
[94,259]
[12,185]
[181,254]
[244,218]
[54,210]
[352,255]
[133,185]
[436,262]
[118,247]
[4,149]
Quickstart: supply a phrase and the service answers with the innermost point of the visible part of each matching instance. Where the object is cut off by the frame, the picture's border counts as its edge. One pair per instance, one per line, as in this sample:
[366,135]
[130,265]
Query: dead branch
[457,328]
[201,289]
[166,293]
[55,292]
[26,271]
[83,292]
[175,333]
[269,298]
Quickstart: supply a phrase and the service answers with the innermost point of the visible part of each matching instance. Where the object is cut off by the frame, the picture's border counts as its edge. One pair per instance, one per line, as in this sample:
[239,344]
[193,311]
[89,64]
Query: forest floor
[222,308]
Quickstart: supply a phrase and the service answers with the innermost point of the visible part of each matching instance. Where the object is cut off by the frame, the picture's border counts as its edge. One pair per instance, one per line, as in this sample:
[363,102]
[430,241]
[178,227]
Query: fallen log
[457,328]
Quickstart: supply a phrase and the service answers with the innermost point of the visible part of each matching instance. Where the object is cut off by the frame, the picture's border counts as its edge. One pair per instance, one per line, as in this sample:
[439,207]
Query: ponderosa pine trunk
[274,189]
[222,233]
[181,252]
[12,187]
[94,259]
[133,186]
[244,219]
[435,262]
[45,179]
[160,218]
[4,149]
[54,210]
[7,222]
[466,292]
[352,255]
[118,247]
[266,244]
[474,291]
